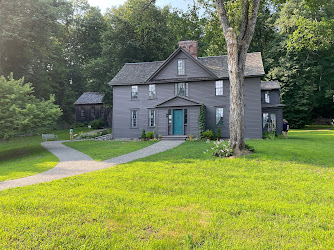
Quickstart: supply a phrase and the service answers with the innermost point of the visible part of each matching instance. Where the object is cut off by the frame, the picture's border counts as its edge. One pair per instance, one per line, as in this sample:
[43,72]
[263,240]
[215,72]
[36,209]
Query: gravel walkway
[73,162]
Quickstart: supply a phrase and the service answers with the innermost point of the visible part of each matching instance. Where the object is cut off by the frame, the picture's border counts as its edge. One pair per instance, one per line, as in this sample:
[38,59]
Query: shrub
[249,148]
[221,149]
[97,123]
[219,134]
[143,134]
[150,135]
[208,134]
[201,121]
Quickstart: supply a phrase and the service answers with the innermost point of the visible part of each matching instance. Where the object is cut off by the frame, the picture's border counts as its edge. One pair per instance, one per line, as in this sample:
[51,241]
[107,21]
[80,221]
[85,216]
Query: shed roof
[269,85]
[90,98]
[139,73]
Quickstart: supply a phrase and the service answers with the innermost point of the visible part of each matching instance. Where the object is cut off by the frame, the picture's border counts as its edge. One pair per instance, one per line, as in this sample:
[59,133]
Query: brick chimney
[190,46]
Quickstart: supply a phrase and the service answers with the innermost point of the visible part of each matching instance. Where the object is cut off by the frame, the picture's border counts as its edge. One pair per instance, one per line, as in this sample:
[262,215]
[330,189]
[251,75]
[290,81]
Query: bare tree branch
[251,23]
[244,22]
[220,5]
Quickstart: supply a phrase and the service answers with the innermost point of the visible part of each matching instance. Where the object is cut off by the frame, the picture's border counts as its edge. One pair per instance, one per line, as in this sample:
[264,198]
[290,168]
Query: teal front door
[177,122]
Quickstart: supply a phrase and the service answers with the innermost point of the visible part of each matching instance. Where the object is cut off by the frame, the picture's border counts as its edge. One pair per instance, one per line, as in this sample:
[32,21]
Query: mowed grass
[183,199]
[25,156]
[103,150]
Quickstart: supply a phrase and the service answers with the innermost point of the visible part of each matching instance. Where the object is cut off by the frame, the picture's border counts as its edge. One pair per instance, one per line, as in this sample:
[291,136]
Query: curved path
[73,162]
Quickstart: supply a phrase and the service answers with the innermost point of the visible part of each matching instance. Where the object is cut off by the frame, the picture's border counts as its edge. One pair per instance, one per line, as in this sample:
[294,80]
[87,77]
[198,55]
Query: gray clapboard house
[166,96]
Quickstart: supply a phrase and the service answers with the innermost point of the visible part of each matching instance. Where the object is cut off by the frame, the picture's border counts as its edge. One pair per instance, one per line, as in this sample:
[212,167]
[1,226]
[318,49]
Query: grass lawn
[185,199]
[24,156]
[103,150]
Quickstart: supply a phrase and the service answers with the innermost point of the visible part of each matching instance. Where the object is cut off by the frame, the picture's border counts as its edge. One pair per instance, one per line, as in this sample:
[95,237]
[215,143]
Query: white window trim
[222,116]
[149,118]
[150,91]
[220,89]
[131,118]
[132,87]
[266,97]
[181,69]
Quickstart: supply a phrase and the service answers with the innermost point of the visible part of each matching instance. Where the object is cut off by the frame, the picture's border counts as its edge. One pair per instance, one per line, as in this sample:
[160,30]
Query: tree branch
[244,22]
[220,5]
[251,23]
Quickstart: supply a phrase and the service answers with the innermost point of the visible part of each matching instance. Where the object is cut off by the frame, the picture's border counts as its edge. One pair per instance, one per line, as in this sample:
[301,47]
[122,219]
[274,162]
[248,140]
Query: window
[133,118]
[181,89]
[102,111]
[266,97]
[83,113]
[219,116]
[185,114]
[181,67]
[219,88]
[92,111]
[134,92]
[151,118]
[265,119]
[151,91]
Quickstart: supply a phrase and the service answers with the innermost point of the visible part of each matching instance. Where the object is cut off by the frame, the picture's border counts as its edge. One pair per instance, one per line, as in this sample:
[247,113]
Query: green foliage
[97,123]
[249,148]
[150,135]
[143,134]
[20,111]
[219,133]
[201,121]
[221,149]
[208,134]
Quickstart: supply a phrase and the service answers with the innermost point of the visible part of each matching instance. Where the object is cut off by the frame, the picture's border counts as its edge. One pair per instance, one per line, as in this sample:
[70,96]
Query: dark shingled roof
[269,85]
[138,73]
[90,98]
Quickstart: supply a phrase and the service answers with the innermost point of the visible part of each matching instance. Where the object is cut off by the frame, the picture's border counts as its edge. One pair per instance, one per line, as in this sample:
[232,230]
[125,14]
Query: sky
[104,4]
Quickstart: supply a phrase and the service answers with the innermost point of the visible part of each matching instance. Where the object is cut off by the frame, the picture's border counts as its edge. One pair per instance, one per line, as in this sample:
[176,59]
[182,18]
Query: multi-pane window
[181,89]
[219,116]
[134,118]
[134,92]
[151,91]
[219,88]
[265,119]
[151,118]
[102,111]
[181,67]
[83,113]
[266,97]
[92,111]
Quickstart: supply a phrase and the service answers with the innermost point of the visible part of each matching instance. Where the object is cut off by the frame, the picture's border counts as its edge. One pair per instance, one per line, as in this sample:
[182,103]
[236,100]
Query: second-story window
[151,91]
[266,97]
[134,92]
[181,67]
[219,88]
[181,89]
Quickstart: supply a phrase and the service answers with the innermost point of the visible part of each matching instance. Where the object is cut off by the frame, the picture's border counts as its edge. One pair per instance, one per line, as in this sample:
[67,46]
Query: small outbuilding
[89,107]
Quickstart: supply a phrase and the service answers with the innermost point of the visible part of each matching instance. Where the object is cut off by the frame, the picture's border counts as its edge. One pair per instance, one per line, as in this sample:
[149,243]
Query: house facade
[89,107]
[165,96]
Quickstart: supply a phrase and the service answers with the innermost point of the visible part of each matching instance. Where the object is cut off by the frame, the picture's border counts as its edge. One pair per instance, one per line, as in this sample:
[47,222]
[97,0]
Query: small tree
[20,111]
[201,121]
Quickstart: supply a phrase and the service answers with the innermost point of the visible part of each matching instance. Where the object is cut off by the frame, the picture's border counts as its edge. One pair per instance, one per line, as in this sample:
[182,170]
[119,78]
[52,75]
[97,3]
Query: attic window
[181,67]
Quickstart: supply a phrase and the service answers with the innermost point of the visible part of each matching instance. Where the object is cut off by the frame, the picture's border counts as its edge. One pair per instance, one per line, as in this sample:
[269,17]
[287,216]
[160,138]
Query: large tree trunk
[237,48]
[236,77]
